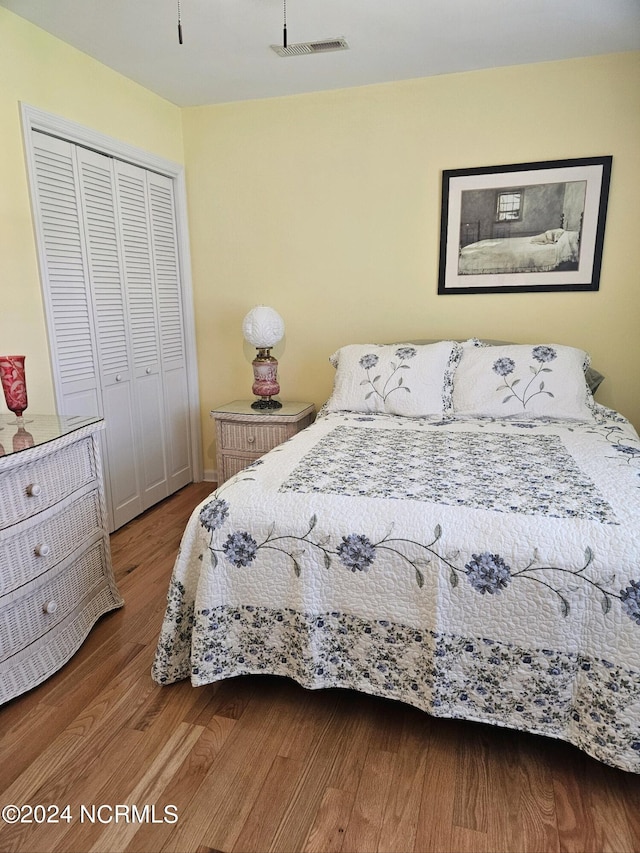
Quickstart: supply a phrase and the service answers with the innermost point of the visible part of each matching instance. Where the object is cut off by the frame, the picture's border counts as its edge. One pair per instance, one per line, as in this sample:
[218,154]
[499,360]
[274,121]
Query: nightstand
[244,434]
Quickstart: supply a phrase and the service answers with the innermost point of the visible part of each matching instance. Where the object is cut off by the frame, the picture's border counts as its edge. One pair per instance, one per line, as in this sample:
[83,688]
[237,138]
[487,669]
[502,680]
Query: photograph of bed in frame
[457,530]
[524,227]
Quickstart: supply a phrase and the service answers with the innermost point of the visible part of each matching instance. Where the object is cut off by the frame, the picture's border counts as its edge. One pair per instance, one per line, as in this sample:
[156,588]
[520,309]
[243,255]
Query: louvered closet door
[171,328]
[97,193]
[135,229]
[114,309]
[64,258]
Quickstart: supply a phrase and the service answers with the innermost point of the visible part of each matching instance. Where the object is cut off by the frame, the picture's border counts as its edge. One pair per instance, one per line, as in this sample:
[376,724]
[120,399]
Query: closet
[111,281]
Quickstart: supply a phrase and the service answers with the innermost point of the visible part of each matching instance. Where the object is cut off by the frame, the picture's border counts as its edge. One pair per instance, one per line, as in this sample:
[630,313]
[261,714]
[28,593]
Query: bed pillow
[592,376]
[544,380]
[398,379]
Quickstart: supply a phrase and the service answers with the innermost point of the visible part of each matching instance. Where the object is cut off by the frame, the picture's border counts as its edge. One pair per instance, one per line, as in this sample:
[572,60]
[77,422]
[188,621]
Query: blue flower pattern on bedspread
[451,469]
[584,697]
[630,598]
[485,572]
[356,552]
[626,454]
[214,514]
[488,573]
[447,675]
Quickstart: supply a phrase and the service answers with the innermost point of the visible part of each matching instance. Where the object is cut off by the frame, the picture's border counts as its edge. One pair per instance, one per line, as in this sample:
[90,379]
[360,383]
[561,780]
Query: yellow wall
[327,207]
[42,71]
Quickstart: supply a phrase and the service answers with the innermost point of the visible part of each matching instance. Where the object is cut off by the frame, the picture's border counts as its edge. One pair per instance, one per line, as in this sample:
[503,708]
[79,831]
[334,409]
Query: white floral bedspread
[476,568]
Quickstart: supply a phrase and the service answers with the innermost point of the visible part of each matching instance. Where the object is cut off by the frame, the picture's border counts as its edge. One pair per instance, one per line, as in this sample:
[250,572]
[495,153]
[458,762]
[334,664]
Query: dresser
[244,434]
[56,578]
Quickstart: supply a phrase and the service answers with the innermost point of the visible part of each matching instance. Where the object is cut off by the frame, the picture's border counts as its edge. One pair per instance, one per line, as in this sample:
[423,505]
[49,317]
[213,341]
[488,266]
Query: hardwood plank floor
[260,764]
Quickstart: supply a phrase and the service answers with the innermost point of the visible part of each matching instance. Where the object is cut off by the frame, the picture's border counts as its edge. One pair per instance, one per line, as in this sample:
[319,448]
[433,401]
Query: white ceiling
[226,55]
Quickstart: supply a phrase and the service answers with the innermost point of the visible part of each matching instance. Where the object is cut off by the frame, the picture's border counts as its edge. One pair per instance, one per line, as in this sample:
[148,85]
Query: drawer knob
[34,490]
[148,371]
[251,439]
[42,550]
[50,607]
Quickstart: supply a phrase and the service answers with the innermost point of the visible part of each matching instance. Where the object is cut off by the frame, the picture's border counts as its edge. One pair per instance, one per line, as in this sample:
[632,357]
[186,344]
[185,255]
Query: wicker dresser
[244,434]
[55,565]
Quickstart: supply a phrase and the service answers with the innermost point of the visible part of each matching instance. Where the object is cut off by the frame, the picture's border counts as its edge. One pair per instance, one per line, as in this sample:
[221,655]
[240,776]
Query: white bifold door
[114,302]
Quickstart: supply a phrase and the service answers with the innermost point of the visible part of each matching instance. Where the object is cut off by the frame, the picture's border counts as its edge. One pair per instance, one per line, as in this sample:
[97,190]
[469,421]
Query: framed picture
[525,227]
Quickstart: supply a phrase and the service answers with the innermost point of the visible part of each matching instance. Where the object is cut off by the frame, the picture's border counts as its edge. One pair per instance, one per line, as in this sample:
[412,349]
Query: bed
[458,530]
[543,252]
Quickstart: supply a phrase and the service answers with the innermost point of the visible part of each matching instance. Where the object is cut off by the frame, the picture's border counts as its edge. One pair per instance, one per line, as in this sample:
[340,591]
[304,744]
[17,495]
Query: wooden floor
[259,764]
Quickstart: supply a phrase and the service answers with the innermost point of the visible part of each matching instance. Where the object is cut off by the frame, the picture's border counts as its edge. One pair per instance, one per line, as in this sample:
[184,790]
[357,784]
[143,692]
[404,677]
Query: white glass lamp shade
[263,327]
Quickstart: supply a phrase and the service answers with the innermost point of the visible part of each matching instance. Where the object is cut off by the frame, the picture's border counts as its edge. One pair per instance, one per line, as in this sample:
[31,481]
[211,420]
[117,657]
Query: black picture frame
[524,227]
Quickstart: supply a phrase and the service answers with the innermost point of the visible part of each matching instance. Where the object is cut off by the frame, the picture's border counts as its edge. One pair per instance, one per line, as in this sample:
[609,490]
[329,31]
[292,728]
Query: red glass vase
[13,383]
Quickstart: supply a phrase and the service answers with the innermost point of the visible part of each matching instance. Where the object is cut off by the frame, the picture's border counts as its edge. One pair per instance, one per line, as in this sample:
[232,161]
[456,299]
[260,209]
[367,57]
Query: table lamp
[263,327]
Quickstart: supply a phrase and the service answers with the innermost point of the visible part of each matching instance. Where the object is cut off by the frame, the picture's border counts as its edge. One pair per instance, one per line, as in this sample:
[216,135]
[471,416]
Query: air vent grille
[305,47]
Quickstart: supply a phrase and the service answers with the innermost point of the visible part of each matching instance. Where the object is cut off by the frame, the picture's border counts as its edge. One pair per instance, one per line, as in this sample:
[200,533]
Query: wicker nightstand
[244,434]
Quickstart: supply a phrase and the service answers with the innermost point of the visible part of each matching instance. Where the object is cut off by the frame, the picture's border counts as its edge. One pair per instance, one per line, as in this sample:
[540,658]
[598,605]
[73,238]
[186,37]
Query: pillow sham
[398,379]
[545,380]
[592,376]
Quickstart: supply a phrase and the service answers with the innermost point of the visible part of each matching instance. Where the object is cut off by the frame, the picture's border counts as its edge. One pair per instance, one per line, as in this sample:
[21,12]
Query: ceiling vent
[323,46]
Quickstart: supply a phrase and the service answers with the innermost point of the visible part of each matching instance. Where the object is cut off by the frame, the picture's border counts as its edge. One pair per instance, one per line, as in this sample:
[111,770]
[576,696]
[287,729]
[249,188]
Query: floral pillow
[400,379]
[546,380]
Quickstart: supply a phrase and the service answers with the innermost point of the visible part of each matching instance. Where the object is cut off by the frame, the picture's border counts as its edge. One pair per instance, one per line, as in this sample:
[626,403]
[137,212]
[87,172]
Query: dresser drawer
[38,661]
[34,547]
[37,485]
[24,620]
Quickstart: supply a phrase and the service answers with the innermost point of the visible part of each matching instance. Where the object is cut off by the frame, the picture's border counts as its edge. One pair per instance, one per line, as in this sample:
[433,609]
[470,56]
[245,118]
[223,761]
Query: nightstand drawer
[254,438]
[36,486]
[25,620]
[231,463]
